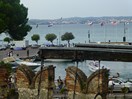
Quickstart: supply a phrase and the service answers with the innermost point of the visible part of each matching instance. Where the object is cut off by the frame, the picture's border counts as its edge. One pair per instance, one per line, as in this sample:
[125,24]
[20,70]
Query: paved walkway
[119,96]
[20,53]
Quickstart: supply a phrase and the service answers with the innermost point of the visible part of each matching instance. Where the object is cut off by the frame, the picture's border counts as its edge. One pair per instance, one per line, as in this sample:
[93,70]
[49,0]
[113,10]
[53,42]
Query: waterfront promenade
[85,52]
[20,53]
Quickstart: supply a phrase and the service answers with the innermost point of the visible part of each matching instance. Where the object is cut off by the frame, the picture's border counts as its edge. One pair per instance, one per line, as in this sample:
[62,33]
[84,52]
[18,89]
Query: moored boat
[58,60]
[50,25]
[15,61]
[95,65]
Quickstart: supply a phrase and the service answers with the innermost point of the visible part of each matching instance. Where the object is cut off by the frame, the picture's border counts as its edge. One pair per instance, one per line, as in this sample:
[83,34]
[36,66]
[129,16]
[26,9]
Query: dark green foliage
[82,85]
[11,92]
[13,19]
[50,78]
[63,90]
[67,36]
[6,65]
[50,37]
[35,37]
[125,90]
[7,39]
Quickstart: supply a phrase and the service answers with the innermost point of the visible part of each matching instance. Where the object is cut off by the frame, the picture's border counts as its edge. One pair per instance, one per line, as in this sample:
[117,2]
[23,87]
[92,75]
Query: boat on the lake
[58,60]
[38,59]
[15,61]
[95,65]
[50,25]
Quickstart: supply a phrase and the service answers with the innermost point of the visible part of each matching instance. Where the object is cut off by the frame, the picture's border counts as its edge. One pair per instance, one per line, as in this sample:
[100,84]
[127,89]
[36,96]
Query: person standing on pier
[60,83]
[117,75]
[28,53]
[111,83]
[8,54]
[11,53]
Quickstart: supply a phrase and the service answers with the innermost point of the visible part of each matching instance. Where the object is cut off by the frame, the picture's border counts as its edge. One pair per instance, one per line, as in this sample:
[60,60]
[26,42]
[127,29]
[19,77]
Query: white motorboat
[94,65]
[58,60]
[37,59]
[16,61]
[32,65]
[50,25]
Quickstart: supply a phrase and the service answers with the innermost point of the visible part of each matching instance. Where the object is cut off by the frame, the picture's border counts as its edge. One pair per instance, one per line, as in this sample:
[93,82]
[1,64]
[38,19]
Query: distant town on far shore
[81,20]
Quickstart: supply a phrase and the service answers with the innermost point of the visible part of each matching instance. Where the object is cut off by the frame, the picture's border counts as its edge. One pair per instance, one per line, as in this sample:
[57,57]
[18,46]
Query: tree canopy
[50,37]
[13,19]
[7,39]
[35,37]
[67,37]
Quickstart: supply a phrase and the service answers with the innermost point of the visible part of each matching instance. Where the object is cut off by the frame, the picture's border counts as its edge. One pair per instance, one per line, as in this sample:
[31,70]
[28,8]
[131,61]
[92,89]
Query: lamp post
[89,36]
[57,41]
[124,38]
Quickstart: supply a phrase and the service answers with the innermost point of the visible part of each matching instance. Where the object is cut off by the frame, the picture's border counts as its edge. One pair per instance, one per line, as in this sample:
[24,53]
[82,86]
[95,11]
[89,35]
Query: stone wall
[29,84]
[70,79]
[3,76]
[47,80]
[24,76]
[87,88]
[4,81]
[98,82]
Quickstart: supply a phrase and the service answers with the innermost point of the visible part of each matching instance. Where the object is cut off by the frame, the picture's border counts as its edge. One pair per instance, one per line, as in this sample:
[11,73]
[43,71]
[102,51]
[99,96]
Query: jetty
[81,52]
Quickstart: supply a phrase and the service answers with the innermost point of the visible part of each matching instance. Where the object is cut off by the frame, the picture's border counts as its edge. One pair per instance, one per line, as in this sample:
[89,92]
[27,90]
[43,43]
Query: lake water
[80,31]
[123,68]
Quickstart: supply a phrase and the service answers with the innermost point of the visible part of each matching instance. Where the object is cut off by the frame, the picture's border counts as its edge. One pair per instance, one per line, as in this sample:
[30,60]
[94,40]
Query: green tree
[35,37]
[67,37]
[50,37]
[7,39]
[13,19]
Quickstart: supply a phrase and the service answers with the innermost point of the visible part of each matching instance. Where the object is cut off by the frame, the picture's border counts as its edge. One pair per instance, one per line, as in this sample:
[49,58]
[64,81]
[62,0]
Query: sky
[54,9]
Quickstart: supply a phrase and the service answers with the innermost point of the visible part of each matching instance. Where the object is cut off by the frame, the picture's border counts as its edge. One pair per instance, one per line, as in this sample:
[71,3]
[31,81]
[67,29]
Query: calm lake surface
[123,68]
[80,31]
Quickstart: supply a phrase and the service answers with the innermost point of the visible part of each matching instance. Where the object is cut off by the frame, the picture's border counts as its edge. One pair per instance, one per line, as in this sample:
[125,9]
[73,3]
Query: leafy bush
[6,65]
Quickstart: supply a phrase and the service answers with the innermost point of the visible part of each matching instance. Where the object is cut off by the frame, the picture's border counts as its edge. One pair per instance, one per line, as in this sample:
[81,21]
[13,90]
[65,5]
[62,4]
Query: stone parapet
[94,86]
[31,86]
[3,76]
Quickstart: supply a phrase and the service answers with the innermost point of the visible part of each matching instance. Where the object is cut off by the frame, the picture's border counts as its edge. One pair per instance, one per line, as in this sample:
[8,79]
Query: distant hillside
[80,20]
